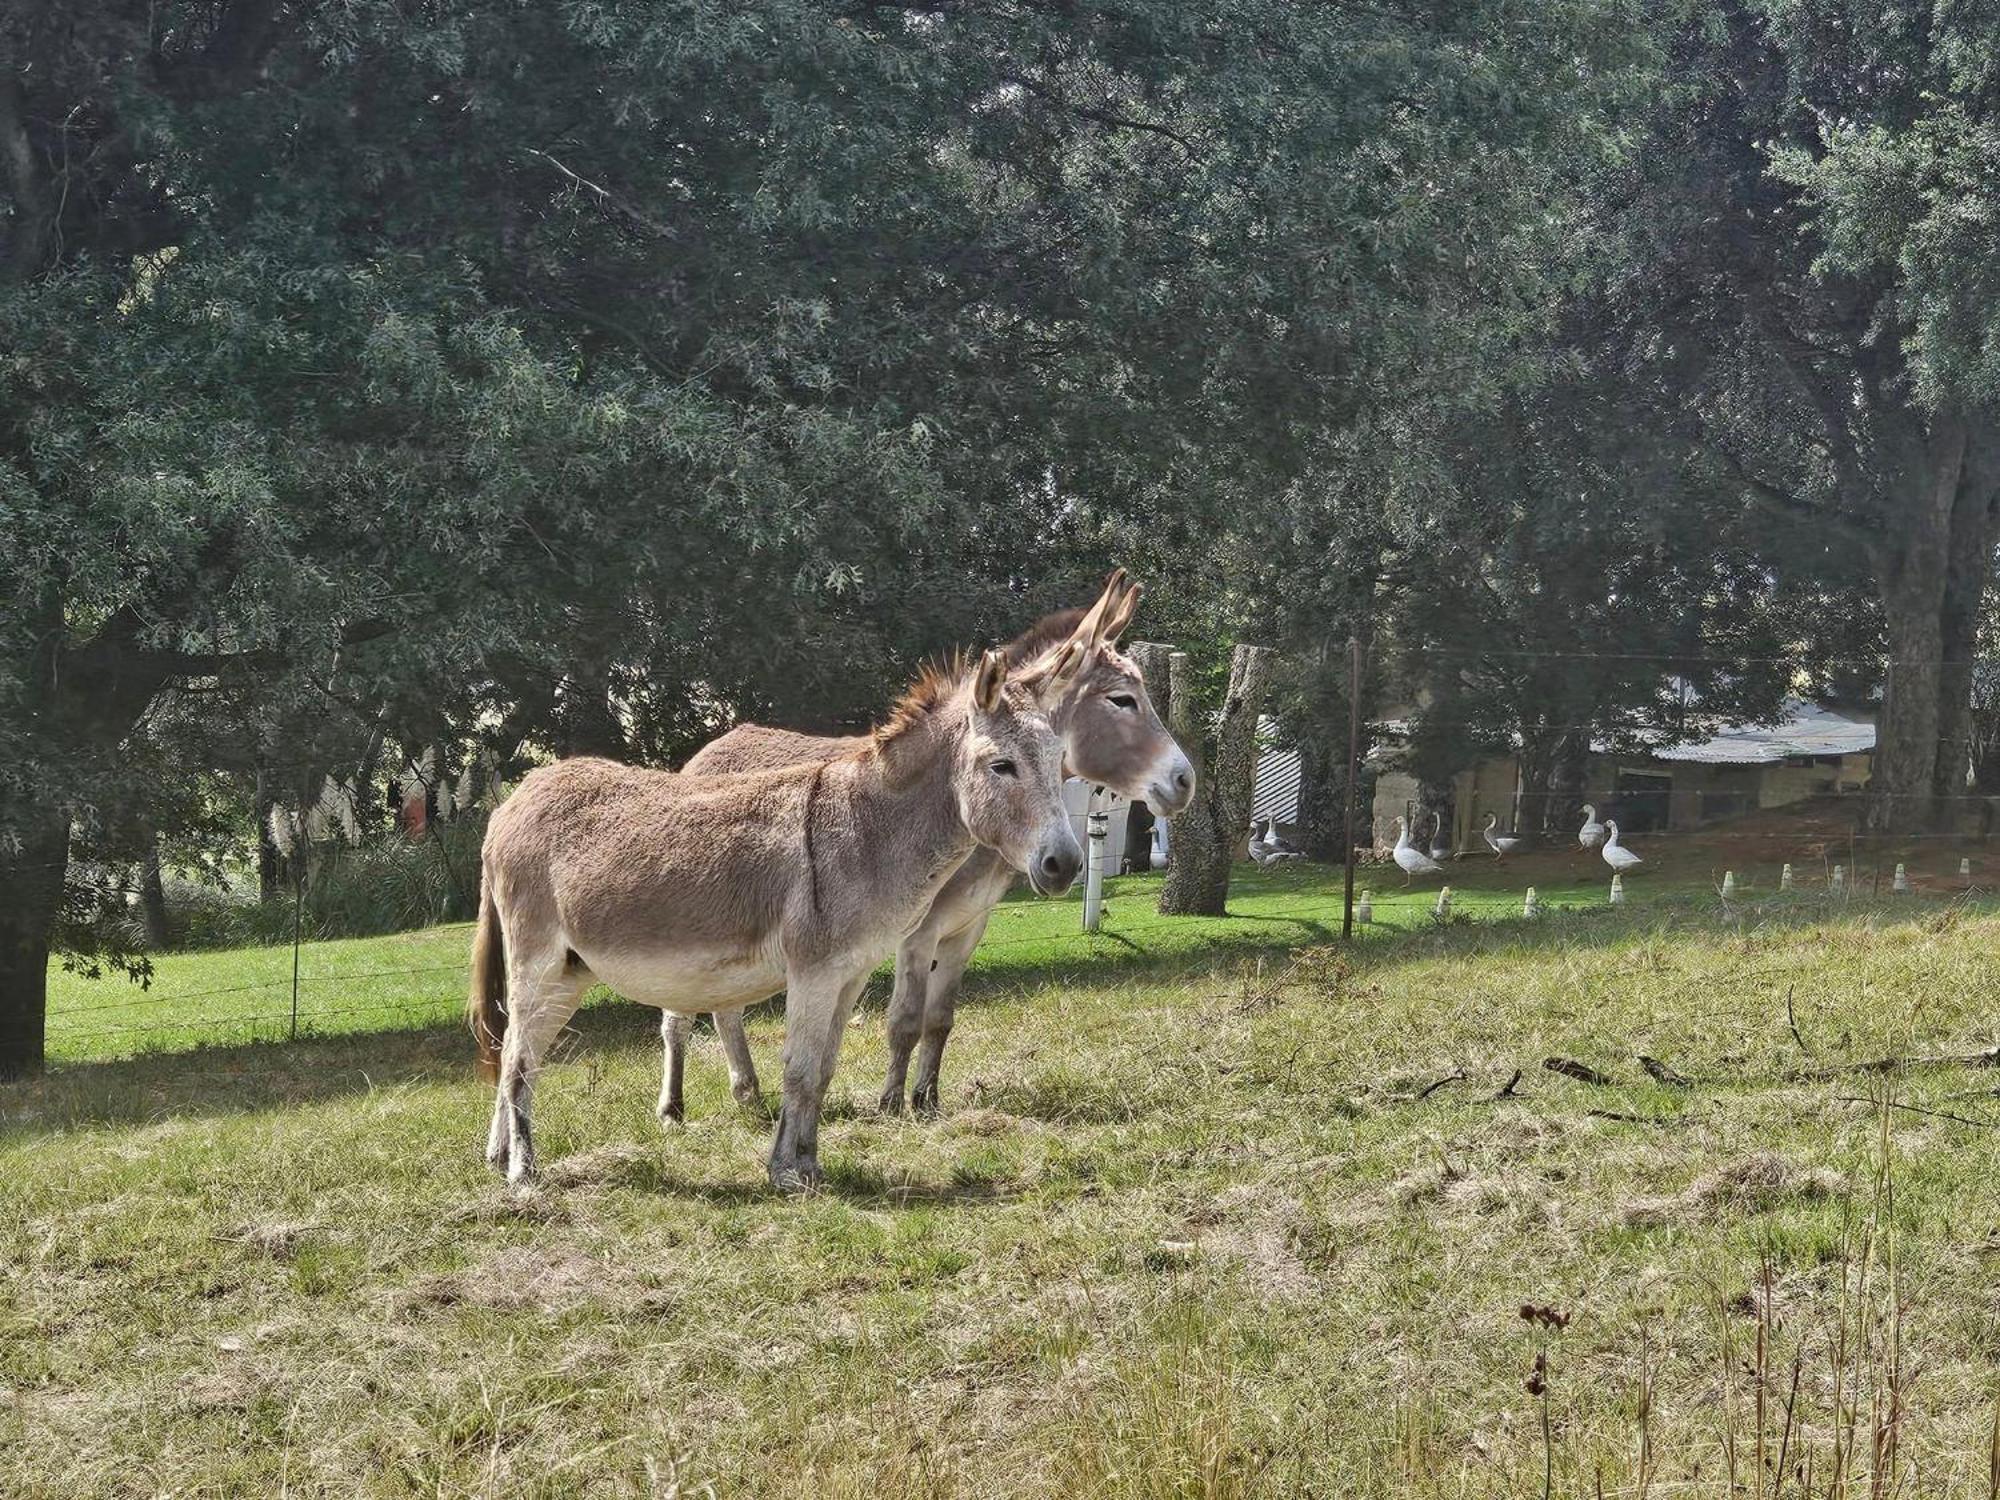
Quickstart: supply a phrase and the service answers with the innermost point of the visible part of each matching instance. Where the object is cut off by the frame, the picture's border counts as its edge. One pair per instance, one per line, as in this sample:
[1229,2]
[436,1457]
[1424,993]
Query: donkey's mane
[937,679]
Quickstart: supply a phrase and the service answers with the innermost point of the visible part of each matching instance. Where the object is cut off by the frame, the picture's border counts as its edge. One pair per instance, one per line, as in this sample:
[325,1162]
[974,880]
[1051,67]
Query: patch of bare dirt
[523,1278]
[278,1240]
[1750,1185]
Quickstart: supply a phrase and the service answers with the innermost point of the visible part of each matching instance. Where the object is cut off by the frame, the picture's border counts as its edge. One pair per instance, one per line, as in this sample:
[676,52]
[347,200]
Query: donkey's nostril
[1183,779]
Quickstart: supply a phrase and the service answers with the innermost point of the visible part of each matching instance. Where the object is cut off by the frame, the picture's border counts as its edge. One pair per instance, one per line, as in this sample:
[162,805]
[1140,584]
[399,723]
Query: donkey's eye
[1124,700]
[1004,768]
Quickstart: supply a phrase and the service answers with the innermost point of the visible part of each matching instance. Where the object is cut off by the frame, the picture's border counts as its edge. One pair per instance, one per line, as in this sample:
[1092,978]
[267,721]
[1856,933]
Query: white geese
[1267,848]
[1502,844]
[1278,844]
[1616,854]
[1412,860]
[1592,833]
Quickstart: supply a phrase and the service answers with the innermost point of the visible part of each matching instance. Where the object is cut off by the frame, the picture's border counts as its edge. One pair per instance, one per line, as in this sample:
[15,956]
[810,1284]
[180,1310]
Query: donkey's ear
[1057,672]
[1121,613]
[988,681]
[1090,629]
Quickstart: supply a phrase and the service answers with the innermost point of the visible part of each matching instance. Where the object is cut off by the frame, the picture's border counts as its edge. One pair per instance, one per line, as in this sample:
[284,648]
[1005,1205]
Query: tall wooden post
[1353,777]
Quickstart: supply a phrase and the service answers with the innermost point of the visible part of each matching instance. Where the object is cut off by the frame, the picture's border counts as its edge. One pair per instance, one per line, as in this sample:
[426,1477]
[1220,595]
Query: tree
[1221,739]
[613,371]
[1809,275]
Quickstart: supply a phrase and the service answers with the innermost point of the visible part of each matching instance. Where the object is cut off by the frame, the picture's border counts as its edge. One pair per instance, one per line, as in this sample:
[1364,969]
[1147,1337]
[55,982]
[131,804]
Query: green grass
[1201,1217]
[417,979]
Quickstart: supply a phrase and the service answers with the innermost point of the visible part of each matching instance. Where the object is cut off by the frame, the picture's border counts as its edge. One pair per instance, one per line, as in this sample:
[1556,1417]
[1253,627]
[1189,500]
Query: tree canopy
[587,376]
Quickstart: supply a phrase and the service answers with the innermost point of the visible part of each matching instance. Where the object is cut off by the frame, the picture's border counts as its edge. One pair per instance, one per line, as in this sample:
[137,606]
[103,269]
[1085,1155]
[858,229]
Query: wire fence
[278,1010]
[1829,830]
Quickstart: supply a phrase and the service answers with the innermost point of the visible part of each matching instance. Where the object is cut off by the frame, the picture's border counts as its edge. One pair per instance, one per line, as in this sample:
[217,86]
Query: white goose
[1281,847]
[1412,860]
[1502,844]
[1260,848]
[1616,854]
[1592,833]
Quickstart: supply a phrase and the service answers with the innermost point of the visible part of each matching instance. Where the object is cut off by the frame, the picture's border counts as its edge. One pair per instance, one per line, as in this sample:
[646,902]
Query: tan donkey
[711,892]
[1110,736]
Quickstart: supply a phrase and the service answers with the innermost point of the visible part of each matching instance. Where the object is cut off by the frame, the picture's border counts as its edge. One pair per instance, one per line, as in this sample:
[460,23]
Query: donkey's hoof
[797,1178]
[747,1094]
[924,1102]
[520,1171]
[671,1112]
[891,1102]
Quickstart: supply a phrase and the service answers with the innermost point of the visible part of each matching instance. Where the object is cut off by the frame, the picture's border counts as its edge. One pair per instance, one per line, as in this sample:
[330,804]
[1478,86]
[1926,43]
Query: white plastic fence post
[1442,911]
[1901,884]
[1093,880]
[1728,884]
[1364,909]
[1785,878]
[1617,890]
[1528,907]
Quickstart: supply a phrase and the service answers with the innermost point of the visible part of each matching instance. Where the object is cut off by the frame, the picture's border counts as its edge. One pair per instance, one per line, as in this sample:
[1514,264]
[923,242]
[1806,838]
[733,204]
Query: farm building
[1808,751]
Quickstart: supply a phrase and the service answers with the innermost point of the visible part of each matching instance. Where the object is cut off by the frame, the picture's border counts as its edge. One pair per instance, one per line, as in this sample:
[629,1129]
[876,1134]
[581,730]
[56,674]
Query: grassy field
[416,979]
[1213,1209]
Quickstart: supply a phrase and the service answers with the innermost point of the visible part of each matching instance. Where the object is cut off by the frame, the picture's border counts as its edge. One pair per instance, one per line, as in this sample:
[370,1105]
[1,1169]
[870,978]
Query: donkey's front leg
[914,962]
[816,1008]
[940,1009]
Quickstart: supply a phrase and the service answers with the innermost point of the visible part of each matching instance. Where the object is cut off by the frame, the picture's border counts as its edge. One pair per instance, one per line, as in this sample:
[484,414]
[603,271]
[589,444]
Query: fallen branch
[1792,1020]
[1510,1091]
[1918,1109]
[1432,1088]
[1581,1072]
[1990,1058]
[1612,1114]
[1661,1073]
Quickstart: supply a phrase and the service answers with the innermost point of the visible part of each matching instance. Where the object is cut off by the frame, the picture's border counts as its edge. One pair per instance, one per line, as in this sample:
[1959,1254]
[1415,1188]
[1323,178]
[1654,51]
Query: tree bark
[32,875]
[153,894]
[1932,579]
[1206,834]
[1322,826]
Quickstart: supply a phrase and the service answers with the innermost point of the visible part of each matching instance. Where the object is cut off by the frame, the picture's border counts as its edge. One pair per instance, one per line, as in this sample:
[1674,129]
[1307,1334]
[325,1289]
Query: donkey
[711,892]
[1110,737]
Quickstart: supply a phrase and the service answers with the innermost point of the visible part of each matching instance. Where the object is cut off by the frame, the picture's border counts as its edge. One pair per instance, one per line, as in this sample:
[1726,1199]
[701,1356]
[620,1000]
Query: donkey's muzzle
[1175,788]
[1054,868]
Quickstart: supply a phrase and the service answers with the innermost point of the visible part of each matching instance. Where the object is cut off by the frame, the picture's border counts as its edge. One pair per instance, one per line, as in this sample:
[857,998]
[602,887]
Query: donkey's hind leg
[914,962]
[675,1029]
[743,1085]
[940,1010]
[544,989]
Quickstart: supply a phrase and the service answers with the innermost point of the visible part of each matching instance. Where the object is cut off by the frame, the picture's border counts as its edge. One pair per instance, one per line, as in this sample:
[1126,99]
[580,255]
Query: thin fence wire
[1856,846]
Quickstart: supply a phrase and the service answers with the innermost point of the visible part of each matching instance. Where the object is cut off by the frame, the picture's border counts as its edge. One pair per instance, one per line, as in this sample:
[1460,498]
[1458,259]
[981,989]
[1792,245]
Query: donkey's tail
[486,1006]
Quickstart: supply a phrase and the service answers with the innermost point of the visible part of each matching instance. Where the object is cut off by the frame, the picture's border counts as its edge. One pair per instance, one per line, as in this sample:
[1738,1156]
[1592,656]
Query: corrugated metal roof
[1277,790]
[1802,728]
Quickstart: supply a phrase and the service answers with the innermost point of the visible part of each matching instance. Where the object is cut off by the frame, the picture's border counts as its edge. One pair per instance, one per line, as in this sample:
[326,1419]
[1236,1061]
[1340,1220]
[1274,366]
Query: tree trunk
[1205,836]
[153,894]
[267,851]
[1932,580]
[32,875]
[1322,825]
